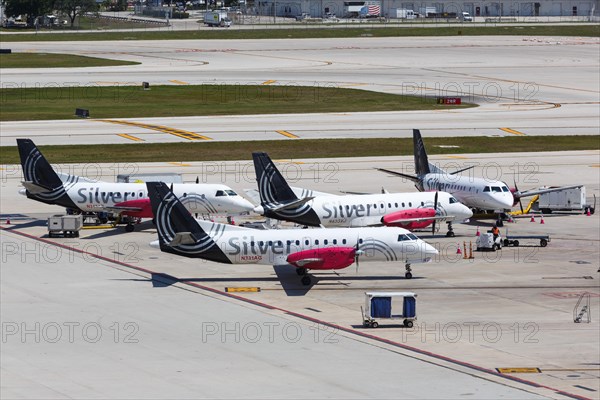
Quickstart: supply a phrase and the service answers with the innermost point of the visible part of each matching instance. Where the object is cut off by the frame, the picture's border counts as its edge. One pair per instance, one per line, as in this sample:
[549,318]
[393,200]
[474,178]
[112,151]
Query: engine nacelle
[145,208]
[325,258]
[402,218]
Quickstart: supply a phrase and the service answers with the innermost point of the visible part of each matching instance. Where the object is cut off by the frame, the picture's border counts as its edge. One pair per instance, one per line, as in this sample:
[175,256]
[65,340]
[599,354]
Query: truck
[402,13]
[573,199]
[427,12]
[217,18]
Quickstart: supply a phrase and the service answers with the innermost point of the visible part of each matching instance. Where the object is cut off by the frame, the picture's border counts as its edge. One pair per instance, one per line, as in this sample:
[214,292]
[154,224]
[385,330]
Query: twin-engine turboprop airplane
[474,192]
[407,210]
[77,193]
[304,249]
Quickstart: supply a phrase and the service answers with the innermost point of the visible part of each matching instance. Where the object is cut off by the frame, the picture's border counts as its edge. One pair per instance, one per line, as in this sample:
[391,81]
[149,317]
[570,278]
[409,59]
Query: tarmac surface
[105,315]
[524,85]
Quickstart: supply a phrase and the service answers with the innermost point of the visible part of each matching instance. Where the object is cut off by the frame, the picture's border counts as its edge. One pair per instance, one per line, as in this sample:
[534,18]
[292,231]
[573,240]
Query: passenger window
[297,243]
[343,241]
[325,241]
[334,241]
[317,242]
[306,242]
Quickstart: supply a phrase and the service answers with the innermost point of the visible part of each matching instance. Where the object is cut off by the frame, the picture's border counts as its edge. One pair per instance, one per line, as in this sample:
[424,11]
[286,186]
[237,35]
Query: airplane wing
[533,192]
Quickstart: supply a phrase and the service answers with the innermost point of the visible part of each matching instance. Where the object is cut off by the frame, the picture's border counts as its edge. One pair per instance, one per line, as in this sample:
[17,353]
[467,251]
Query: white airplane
[77,193]
[407,210]
[319,249]
[477,193]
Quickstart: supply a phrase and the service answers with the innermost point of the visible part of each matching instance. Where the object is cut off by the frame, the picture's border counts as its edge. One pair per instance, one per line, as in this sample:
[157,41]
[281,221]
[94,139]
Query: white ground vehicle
[217,18]
[573,199]
[402,13]
[486,241]
[465,16]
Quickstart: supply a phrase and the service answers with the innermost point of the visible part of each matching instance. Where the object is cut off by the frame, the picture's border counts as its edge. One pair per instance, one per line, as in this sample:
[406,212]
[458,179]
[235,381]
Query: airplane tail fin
[277,198]
[178,231]
[421,161]
[40,179]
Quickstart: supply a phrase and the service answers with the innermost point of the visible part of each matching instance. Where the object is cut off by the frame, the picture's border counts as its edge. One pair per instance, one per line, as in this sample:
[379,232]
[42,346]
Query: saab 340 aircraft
[407,210]
[44,184]
[319,249]
[477,193]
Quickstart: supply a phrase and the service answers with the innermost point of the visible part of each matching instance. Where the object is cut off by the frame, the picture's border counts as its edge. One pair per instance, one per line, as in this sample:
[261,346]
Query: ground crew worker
[495,232]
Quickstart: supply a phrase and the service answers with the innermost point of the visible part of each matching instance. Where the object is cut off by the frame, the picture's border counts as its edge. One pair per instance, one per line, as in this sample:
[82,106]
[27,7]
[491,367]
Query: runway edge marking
[302,316]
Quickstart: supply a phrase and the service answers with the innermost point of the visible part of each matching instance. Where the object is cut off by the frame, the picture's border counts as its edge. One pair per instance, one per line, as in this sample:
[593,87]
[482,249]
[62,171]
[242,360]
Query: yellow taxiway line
[287,134]
[130,137]
[172,131]
[512,131]
[178,82]
[270,81]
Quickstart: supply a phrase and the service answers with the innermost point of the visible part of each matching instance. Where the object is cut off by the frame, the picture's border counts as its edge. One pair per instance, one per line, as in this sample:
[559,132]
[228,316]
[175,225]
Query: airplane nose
[245,205]
[429,250]
[466,212]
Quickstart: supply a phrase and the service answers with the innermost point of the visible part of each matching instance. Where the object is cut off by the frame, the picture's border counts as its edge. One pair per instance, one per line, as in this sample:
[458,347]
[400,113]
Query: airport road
[509,309]
[531,85]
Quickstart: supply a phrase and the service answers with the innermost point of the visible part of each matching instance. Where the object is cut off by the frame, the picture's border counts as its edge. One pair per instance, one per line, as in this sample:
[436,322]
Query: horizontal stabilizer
[35,188]
[182,238]
[407,176]
[292,204]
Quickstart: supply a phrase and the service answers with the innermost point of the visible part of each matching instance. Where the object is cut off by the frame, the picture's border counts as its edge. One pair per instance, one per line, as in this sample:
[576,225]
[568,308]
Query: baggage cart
[381,306]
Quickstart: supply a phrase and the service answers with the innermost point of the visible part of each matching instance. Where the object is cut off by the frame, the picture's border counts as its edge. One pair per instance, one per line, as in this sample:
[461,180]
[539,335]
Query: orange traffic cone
[532,219]
[477,234]
[542,220]
[458,251]
[588,213]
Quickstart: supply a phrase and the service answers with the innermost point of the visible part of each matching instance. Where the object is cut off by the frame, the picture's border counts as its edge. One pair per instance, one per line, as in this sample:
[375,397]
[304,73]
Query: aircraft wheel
[306,280]
[301,271]
[408,275]
[543,242]
[408,323]
[516,243]
[129,228]
[450,234]
[374,324]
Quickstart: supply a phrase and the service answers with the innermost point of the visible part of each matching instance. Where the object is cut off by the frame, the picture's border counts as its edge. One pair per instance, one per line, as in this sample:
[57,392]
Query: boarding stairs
[581,312]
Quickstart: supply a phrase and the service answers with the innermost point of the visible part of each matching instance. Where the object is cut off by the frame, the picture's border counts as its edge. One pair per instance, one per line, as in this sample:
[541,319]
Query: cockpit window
[505,189]
[496,189]
[231,193]
[405,237]
[486,189]
[220,193]
[453,200]
[402,238]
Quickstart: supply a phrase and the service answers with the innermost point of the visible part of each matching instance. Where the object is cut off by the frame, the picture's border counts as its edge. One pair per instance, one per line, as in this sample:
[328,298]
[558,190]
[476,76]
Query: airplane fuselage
[272,247]
[473,192]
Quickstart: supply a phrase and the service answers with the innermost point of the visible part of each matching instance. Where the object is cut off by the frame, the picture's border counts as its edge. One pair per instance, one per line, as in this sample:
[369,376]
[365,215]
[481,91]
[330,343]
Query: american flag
[373,10]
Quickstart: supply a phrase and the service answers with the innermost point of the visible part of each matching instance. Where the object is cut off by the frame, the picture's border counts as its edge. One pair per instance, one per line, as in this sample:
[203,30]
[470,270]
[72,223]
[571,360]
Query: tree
[73,8]
[31,8]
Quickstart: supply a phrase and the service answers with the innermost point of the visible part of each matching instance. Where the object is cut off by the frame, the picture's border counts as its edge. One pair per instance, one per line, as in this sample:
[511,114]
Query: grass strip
[53,60]
[55,102]
[303,148]
[310,32]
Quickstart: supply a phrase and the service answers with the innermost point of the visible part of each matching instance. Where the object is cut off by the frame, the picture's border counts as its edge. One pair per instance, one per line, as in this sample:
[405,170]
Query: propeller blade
[356,253]
[197,179]
[435,207]
[516,194]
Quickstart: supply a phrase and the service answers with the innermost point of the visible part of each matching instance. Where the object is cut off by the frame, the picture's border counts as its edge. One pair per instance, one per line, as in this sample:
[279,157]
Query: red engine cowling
[144,206]
[325,258]
[397,218]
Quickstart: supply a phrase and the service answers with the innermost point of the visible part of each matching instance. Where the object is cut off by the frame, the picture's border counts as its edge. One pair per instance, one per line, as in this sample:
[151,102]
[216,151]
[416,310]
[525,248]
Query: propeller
[197,180]
[516,194]
[435,205]
[357,252]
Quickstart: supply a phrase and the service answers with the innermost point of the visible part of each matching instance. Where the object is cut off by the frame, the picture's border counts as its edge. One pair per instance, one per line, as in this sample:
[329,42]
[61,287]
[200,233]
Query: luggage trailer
[380,306]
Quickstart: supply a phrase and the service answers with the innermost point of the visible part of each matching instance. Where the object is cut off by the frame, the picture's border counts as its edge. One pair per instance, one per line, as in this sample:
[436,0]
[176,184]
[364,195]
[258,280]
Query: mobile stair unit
[380,306]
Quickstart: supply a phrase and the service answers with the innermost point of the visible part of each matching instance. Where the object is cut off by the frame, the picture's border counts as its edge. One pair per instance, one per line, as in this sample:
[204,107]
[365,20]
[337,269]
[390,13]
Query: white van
[465,16]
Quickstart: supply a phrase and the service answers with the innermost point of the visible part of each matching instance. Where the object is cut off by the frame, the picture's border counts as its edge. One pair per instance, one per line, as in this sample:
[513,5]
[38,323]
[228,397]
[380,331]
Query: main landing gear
[305,277]
[408,274]
[450,232]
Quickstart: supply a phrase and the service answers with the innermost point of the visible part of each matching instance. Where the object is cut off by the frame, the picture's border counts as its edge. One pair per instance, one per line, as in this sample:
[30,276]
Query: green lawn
[190,100]
[298,148]
[52,60]
[315,32]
